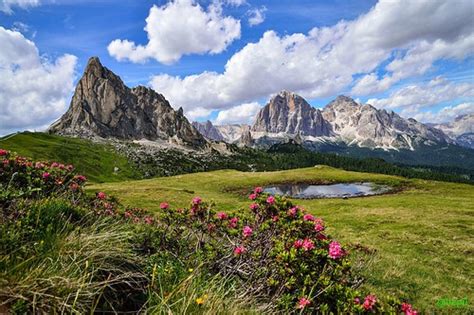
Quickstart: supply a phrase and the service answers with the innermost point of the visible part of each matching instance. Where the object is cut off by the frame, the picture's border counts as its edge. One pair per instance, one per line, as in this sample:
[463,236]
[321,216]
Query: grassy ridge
[97,161]
[422,236]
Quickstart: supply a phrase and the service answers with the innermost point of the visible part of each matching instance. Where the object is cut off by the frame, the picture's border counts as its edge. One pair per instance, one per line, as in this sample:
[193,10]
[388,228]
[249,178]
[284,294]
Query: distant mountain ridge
[461,130]
[289,116]
[103,106]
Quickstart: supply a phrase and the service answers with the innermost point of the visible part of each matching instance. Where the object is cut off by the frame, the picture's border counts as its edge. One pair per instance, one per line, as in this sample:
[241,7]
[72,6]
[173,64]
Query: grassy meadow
[419,240]
[97,161]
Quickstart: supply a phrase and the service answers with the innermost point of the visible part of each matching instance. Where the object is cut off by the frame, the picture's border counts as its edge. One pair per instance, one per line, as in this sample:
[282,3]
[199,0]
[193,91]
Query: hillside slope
[99,162]
[420,238]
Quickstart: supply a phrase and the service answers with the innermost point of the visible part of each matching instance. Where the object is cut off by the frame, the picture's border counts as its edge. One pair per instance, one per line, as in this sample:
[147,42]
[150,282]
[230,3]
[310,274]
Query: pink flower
[253,207]
[408,309]
[369,302]
[148,220]
[197,200]
[69,167]
[258,190]
[46,175]
[80,178]
[74,186]
[308,244]
[39,165]
[253,196]
[54,164]
[3,152]
[292,212]
[127,214]
[233,222]
[6,162]
[319,225]
[211,227]
[303,302]
[298,244]
[275,218]
[356,300]
[164,205]
[270,200]
[308,217]
[222,215]
[247,231]
[239,250]
[335,250]
[101,195]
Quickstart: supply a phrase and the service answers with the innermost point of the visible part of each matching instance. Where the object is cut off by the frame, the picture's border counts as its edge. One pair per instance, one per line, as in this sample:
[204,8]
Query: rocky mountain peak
[461,130]
[103,106]
[208,130]
[289,113]
[368,126]
[342,102]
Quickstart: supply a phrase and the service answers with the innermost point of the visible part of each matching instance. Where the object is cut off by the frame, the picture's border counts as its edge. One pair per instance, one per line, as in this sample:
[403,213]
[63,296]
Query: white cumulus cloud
[256,15]
[446,114]
[244,113]
[178,28]
[33,91]
[417,96]
[7,5]
[406,34]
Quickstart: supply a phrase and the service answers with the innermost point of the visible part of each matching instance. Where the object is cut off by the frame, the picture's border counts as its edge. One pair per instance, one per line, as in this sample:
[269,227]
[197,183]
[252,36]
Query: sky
[223,59]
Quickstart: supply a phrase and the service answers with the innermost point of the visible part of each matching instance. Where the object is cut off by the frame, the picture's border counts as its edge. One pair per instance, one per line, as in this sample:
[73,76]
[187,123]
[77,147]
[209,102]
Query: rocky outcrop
[461,130]
[246,137]
[289,113]
[366,126]
[103,106]
[208,130]
[232,133]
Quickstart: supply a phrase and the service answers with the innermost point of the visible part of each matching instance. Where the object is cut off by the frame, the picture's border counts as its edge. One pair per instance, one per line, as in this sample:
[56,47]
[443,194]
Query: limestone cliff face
[290,113]
[104,106]
[368,126]
[208,130]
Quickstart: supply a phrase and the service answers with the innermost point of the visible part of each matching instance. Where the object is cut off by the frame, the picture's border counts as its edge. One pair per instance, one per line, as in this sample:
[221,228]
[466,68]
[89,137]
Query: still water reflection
[305,191]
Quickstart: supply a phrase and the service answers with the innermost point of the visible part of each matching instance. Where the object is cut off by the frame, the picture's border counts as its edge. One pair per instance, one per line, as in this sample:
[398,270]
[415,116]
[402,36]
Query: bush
[62,251]
[280,254]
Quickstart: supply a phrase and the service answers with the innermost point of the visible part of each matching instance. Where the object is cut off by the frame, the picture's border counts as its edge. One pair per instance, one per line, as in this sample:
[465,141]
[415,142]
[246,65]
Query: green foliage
[61,251]
[96,161]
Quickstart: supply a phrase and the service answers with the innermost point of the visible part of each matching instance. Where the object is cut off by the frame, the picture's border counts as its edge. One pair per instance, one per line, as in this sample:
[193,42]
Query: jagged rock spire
[289,113]
[104,106]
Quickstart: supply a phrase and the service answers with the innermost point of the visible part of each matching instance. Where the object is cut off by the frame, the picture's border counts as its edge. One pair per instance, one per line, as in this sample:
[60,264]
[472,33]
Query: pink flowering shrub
[277,250]
[20,177]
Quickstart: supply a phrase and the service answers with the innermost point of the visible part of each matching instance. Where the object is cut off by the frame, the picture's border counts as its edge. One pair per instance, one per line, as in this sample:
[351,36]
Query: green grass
[422,235]
[97,161]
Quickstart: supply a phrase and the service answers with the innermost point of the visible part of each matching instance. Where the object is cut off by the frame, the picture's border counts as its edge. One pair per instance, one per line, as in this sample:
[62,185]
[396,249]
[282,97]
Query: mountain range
[343,121]
[103,107]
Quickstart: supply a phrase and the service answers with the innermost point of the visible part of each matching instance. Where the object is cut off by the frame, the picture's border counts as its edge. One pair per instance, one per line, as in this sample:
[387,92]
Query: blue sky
[381,53]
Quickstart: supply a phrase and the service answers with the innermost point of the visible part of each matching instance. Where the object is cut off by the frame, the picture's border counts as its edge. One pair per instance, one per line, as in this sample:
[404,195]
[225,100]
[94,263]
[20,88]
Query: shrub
[62,251]
[281,254]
